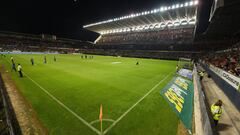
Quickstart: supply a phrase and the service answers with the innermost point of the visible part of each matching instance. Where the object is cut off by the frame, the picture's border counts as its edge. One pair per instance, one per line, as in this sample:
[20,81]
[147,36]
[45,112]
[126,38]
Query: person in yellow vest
[12,60]
[201,74]
[177,68]
[216,110]
[19,68]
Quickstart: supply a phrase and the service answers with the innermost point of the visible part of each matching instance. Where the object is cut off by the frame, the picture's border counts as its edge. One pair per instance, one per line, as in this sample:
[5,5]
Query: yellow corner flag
[101,116]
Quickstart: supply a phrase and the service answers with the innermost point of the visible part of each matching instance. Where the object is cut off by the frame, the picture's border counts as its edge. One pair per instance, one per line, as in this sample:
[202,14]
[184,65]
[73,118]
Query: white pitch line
[64,106]
[95,121]
[124,114]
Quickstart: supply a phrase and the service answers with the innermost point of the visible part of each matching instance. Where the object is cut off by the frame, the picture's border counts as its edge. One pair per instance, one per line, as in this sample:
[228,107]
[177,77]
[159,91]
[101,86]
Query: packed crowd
[228,61]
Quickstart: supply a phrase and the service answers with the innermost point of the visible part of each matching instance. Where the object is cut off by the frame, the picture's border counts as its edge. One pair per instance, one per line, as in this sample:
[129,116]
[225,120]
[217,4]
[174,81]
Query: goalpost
[185,63]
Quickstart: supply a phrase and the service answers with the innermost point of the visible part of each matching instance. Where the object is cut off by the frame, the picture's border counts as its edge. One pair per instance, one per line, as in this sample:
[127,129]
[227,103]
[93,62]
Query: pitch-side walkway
[229,124]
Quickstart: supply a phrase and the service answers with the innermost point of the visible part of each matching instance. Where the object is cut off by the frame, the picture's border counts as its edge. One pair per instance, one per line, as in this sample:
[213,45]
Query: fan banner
[179,94]
[185,73]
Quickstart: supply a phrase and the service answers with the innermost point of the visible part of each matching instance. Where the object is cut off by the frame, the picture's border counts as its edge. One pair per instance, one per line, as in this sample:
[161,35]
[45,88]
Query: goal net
[185,63]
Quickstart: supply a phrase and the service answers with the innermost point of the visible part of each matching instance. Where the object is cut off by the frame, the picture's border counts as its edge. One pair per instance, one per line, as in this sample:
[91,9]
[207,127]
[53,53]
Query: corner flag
[100,113]
[100,117]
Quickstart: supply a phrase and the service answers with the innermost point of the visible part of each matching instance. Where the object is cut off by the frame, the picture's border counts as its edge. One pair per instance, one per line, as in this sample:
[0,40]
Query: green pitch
[67,94]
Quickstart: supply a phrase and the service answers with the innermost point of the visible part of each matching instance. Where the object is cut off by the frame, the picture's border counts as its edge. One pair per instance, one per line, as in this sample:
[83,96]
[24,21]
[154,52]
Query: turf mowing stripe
[64,106]
[124,114]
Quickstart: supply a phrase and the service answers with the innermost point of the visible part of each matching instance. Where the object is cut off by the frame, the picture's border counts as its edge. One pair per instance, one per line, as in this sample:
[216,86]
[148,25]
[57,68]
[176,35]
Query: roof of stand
[174,16]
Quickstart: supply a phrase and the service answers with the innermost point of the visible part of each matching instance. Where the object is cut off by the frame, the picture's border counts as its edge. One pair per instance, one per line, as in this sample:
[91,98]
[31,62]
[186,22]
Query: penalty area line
[64,106]
[133,106]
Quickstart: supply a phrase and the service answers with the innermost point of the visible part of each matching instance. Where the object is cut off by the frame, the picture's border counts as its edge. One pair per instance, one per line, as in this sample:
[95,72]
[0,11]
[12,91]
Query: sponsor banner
[179,94]
[185,73]
[234,81]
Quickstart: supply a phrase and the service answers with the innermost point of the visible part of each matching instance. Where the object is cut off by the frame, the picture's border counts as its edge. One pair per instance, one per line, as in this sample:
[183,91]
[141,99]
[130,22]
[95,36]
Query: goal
[185,63]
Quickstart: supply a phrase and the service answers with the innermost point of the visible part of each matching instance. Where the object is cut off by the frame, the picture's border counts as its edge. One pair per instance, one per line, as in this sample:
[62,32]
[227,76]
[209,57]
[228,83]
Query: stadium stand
[37,43]
[173,24]
[170,36]
[228,60]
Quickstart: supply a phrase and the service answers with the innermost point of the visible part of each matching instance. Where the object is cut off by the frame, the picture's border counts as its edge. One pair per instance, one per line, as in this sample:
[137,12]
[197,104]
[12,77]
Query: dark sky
[65,18]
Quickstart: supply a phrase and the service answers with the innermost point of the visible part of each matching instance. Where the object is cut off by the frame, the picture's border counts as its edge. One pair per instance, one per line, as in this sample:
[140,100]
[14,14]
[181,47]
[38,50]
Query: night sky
[65,18]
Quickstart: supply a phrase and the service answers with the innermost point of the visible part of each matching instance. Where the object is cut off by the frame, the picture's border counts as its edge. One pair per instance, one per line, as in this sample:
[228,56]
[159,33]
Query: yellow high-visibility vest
[201,74]
[216,112]
[19,68]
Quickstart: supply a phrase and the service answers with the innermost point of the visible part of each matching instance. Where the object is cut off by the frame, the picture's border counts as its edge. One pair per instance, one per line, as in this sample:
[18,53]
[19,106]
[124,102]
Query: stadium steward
[177,68]
[201,74]
[20,70]
[13,64]
[216,110]
[32,61]
[137,63]
[12,60]
[45,60]
[14,67]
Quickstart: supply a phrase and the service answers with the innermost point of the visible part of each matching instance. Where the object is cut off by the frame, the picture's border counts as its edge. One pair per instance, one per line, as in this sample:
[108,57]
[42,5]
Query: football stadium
[163,68]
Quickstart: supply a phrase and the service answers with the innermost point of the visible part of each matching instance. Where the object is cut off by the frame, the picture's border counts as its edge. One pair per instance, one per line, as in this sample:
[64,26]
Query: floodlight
[157,26]
[170,24]
[176,23]
[177,5]
[163,25]
[161,9]
[146,27]
[192,22]
[195,2]
[184,23]
[151,26]
[191,3]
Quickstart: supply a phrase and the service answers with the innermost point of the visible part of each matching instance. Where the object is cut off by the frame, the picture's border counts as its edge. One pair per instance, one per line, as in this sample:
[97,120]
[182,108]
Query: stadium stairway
[229,124]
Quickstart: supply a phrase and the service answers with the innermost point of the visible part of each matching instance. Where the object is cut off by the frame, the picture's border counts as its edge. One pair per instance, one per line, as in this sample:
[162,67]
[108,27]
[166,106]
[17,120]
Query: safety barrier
[226,82]
[201,115]
[11,126]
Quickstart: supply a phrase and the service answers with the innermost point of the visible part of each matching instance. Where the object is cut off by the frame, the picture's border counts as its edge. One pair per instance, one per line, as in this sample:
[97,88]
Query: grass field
[67,94]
